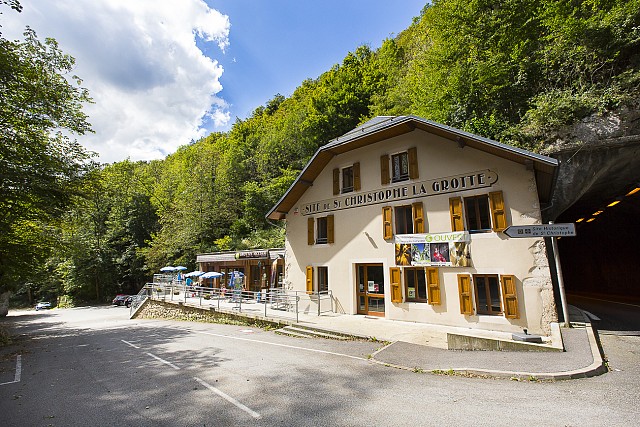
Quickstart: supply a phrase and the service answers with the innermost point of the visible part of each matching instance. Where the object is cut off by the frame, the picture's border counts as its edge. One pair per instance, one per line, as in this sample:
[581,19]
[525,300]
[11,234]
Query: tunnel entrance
[603,258]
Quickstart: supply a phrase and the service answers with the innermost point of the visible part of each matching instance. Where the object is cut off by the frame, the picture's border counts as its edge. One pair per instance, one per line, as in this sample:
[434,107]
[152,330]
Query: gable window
[347,179]
[482,213]
[399,167]
[415,284]
[323,279]
[320,230]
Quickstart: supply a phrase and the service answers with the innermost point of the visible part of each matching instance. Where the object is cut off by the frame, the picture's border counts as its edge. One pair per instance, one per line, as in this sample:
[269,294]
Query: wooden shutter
[310,234]
[418,217]
[466,299]
[309,275]
[498,213]
[413,163]
[336,181]
[330,229]
[433,286]
[387,227]
[396,290]
[356,176]
[455,208]
[510,297]
[385,178]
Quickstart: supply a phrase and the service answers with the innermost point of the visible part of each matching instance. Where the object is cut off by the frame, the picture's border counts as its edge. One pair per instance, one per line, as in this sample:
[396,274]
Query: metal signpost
[553,231]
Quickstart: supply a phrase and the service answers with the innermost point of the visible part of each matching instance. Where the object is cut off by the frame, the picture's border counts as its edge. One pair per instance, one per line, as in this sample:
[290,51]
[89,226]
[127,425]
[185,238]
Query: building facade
[404,219]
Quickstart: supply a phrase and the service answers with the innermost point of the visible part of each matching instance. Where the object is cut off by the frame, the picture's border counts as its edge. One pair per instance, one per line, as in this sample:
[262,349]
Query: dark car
[128,301]
[119,299]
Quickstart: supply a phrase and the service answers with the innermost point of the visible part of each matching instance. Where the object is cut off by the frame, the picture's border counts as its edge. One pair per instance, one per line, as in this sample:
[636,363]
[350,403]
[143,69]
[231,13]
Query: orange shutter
[330,229]
[464,287]
[310,234]
[356,176]
[336,181]
[497,211]
[384,170]
[413,163]
[418,217]
[396,291]
[387,228]
[309,275]
[433,286]
[455,208]
[510,297]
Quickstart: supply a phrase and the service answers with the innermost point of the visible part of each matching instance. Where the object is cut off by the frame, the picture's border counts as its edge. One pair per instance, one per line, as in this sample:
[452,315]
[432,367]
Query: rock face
[599,160]
[4,304]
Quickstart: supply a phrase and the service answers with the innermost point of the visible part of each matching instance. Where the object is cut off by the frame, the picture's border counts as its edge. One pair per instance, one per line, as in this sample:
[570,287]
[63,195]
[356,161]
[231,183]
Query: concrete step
[305,332]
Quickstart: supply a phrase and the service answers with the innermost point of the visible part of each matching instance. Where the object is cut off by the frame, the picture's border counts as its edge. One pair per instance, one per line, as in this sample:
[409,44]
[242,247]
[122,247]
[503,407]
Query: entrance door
[370,289]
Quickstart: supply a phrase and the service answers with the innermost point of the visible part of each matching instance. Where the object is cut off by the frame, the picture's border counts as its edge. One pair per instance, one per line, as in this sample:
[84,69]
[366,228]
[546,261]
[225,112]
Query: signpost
[548,230]
[542,230]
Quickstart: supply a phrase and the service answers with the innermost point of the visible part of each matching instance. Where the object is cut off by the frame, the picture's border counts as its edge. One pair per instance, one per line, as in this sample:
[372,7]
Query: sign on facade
[433,250]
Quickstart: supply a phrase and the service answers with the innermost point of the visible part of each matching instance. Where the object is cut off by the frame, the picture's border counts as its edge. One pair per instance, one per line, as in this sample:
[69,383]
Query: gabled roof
[386,127]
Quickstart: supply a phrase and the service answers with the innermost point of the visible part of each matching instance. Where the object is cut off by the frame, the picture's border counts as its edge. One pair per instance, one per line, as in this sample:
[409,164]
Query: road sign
[543,230]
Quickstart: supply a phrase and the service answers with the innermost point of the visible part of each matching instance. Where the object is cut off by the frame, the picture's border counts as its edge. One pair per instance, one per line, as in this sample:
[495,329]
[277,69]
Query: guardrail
[274,301]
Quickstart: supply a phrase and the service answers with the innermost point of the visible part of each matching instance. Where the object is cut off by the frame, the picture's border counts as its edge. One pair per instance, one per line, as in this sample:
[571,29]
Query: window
[404,220]
[409,219]
[400,167]
[323,279]
[320,230]
[482,213]
[404,166]
[487,294]
[415,284]
[347,179]
[477,213]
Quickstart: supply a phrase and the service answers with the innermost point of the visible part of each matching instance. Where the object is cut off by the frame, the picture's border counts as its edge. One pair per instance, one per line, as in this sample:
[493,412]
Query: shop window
[409,219]
[347,179]
[323,279]
[487,293]
[399,167]
[482,213]
[320,230]
[415,282]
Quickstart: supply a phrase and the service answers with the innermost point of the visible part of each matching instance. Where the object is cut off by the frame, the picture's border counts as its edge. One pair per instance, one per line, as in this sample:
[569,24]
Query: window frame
[401,177]
[343,187]
[406,218]
[489,310]
[466,202]
[322,273]
[415,271]
[321,225]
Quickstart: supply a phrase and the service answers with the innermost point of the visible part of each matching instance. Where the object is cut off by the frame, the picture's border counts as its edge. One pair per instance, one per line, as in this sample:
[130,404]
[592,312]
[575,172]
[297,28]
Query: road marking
[281,345]
[128,343]
[18,375]
[228,398]
[164,361]
[606,300]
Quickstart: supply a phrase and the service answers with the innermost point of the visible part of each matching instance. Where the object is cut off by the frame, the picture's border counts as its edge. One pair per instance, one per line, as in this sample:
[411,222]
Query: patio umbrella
[194,273]
[168,269]
[180,268]
[211,275]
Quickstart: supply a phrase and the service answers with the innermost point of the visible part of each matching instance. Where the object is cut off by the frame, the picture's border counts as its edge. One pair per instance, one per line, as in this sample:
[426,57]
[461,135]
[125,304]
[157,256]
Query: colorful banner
[433,250]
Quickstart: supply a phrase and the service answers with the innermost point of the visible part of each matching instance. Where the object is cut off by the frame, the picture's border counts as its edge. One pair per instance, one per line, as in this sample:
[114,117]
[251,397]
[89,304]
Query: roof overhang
[382,128]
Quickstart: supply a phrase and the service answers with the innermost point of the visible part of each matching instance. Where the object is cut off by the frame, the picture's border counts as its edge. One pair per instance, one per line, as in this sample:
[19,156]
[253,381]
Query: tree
[41,168]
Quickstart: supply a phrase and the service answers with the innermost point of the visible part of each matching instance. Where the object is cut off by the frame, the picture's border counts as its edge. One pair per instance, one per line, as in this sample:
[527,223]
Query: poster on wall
[433,250]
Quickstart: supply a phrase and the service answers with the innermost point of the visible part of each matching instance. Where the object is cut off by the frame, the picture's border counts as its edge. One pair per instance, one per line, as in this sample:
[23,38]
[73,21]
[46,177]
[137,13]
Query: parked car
[119,299]
[44,305]
[128,301]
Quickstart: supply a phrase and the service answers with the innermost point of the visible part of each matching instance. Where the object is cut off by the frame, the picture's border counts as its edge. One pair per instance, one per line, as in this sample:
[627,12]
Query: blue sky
[164,72]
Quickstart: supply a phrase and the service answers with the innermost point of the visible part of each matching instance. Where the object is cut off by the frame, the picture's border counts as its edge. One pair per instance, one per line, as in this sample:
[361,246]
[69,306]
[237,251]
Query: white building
[404,218]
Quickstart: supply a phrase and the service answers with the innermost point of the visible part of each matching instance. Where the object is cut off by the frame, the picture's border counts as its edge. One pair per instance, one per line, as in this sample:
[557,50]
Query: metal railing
[272,301]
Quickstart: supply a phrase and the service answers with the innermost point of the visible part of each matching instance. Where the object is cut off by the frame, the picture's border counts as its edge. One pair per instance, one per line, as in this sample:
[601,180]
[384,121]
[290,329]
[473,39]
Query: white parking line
[128,343]
[164,361]
[18,375]
[313,350]
[228,398]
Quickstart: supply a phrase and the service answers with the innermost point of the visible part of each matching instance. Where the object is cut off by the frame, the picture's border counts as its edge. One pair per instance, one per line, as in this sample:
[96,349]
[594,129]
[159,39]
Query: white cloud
[152,86]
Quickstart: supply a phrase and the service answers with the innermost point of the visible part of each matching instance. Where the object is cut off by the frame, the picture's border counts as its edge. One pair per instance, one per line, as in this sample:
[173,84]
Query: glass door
[370,289]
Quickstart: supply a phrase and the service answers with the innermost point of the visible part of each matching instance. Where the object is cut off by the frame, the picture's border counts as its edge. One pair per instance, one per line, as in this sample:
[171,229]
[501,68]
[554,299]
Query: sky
[163,72]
